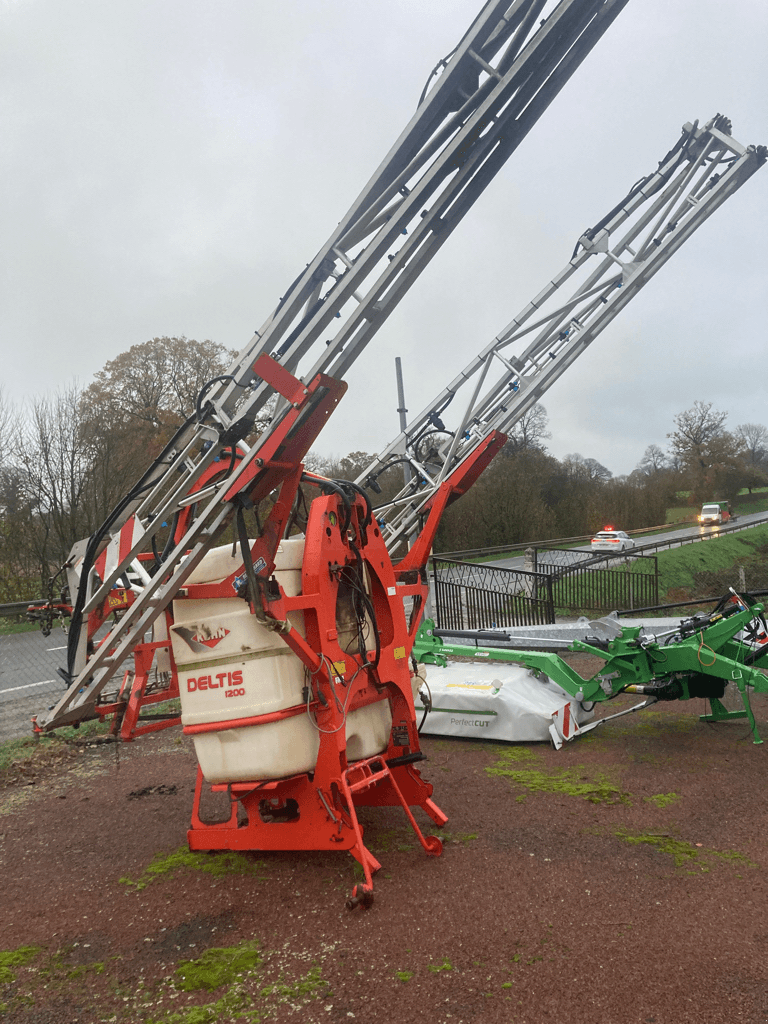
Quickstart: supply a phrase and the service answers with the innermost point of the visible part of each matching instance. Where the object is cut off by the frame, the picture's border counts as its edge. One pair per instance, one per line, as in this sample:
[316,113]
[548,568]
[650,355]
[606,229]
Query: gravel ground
[617,880]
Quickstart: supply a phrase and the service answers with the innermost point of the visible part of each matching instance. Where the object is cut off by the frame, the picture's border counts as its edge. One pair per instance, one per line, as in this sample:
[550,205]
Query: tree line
[528,495]
[67,459]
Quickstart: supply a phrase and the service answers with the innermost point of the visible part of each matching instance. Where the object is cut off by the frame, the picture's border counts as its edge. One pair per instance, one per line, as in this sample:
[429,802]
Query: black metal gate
[471,596]
[581,580]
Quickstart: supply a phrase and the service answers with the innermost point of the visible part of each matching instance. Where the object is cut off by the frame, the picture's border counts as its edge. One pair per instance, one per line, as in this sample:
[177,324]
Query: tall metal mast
[499,79]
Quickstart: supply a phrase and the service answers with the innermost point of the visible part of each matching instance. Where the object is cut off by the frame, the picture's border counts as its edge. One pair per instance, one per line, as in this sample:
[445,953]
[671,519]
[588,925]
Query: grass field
[10,626]
[678,567]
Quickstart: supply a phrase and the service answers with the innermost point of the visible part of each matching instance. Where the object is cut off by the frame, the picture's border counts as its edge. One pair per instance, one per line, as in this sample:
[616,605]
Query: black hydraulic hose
[76,619]
[98,536]
[156,554]
[170,544]
[367,605]
[355,489]
[755,655]
[423,720]
[442,63]
[332,486]
[681,145]
[293,519]
[245,551]
[206,387]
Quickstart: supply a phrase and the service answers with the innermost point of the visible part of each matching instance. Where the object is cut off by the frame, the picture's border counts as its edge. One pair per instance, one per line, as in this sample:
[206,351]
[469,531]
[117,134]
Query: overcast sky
[169,166]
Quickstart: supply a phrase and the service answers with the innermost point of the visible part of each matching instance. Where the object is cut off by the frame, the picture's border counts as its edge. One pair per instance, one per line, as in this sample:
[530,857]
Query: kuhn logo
[208,639]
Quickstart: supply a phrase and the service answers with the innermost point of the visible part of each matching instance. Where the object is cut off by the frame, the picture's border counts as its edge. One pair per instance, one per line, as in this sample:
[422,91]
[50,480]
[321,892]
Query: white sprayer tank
[230,667]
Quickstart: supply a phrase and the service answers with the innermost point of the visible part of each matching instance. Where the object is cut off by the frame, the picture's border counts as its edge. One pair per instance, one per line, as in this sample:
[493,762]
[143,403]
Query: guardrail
[461,556]
[18,607]
[553,542]
[712,534]
[561,541]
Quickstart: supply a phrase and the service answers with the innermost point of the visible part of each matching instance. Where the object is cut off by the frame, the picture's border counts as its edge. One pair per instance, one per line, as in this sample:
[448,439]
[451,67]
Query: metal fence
[464,596]
[580,580]
[30,681]
[470,596]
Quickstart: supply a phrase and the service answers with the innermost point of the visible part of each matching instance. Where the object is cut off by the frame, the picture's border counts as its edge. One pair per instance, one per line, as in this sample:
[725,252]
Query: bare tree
[754,438]
[530,431]
[6,418]
[5,465]
[653,461]
[696,429]
[589,468]
[710,457]
[53,462]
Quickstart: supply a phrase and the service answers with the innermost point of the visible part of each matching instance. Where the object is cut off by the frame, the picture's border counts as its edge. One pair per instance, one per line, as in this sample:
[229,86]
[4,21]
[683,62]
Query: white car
[612,540]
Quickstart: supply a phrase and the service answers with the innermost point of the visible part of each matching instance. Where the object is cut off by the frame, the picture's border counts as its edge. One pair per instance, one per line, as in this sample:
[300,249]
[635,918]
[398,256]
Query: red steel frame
[319,809]
[133,697]
[343,548]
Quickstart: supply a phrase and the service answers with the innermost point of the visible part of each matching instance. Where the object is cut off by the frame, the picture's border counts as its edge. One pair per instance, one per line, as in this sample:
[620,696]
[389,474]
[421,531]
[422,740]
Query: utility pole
[402,412]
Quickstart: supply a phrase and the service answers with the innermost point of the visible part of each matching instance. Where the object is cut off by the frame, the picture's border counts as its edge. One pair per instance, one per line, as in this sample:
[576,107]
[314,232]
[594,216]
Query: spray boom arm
[611,262]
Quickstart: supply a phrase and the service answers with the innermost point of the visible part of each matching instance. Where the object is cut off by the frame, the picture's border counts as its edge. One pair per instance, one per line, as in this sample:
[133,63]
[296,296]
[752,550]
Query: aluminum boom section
[660,212]
[501,77]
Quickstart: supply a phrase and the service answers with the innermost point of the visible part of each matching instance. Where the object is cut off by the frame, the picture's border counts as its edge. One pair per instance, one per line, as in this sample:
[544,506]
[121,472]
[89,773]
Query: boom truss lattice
[611,262]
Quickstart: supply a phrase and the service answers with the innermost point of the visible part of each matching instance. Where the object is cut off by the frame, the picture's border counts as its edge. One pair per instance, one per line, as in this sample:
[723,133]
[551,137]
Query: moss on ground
[458,837]
[310,986]
[662,800]
[525,768]
[232,1005]
[440,968]
[217,966]
[218,864]
[12,959]
[238,967]
[247,983]
[682,852]
[84,969]
[404,838]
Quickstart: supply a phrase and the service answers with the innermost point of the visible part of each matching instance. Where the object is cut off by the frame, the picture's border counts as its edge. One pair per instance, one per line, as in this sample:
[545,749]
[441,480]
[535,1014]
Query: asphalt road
[651,543]
[28,678]
[29,660]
